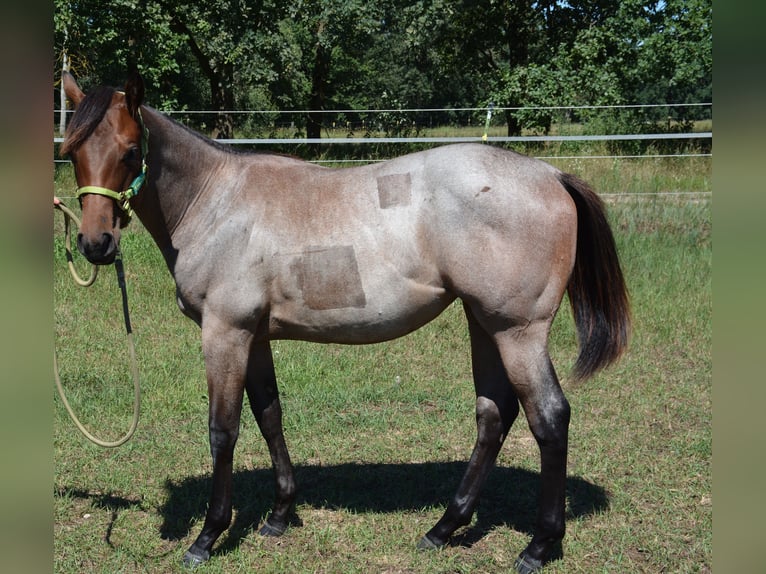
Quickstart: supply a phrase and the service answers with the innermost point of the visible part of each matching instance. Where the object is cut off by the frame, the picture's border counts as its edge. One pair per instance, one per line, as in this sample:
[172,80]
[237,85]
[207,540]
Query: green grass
[380,434]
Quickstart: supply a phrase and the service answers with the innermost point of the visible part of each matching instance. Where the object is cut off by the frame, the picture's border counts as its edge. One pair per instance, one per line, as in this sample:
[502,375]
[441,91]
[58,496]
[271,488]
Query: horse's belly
[353,318]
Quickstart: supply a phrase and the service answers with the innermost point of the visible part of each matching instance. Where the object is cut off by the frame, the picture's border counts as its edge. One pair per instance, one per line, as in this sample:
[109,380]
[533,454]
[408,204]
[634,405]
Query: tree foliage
[316,55]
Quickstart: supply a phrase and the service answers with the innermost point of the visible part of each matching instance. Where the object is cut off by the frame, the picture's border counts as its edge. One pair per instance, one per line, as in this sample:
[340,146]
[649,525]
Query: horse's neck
[179,164]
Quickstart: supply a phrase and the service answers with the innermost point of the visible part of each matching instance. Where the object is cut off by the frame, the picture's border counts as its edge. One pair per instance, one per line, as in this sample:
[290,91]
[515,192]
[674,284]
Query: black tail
[597,290]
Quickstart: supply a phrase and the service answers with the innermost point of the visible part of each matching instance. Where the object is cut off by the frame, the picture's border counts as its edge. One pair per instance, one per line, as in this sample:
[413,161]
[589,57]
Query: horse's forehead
[112,135]
[117,120]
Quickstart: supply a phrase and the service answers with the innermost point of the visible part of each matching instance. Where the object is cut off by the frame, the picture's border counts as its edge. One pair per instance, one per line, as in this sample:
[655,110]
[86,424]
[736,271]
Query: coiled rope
[69,218]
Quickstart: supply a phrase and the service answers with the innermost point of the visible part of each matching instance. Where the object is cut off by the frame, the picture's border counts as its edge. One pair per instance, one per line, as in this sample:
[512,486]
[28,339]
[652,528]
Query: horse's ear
[134,93]
[71,89]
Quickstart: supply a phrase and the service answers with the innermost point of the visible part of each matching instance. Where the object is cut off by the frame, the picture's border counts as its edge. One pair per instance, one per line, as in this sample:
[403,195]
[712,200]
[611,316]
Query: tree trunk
[220,78]
[62,98]
[517,18]
[514,128]
[223,101]
[319,76]
[62,94]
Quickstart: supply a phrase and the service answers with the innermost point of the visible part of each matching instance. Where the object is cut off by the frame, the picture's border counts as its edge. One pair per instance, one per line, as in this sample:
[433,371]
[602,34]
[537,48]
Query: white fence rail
[448,140]
[459,139]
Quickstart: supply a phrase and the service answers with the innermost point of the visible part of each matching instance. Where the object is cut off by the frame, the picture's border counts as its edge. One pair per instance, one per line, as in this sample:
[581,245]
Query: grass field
[380,434]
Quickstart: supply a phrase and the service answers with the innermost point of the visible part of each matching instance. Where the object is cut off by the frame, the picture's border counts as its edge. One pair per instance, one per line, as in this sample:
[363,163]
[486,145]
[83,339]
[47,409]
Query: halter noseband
[123,198]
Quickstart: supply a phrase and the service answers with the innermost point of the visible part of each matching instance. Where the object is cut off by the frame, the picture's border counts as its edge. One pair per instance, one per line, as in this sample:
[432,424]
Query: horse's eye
[131,155]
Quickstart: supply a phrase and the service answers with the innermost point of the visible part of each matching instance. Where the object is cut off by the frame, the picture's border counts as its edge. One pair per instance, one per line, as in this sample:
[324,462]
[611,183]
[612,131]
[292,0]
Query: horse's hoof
[427,544]
[192,560]
[269,529]
[526,564]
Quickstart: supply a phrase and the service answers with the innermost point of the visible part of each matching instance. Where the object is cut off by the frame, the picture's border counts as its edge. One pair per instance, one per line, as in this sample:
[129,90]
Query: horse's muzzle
[99,252]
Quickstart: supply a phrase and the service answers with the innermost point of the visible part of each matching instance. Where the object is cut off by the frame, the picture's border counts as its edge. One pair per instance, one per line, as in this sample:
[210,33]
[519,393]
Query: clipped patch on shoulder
[329,278]
[394,190]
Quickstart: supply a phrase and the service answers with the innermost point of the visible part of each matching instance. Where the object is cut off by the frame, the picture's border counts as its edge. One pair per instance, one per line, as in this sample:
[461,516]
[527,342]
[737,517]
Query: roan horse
[268,247]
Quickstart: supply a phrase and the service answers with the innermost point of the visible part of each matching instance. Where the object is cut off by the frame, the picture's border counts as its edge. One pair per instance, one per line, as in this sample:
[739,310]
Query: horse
[264,246]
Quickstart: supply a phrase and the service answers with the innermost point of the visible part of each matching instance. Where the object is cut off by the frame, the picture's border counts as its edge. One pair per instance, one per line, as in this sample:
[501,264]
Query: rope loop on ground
[69,218]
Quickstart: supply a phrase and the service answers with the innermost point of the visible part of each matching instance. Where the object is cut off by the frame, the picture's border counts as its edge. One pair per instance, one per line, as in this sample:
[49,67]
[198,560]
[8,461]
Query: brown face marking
[394,190]
[329,278]
[485,189]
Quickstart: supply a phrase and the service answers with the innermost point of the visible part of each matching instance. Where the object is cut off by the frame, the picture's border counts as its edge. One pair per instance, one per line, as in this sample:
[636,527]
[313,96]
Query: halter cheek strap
[123,198]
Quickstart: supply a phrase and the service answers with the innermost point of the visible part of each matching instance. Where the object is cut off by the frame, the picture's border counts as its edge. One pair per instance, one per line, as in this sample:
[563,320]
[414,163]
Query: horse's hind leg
[531,372]
[496,409]
[264,401]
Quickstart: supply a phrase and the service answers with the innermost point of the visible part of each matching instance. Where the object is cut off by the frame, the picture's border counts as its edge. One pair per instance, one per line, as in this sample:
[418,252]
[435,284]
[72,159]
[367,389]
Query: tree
[333,36]
[226,39]
[321,54]
[676,63]
[102,41]
[501,63]
[643,52]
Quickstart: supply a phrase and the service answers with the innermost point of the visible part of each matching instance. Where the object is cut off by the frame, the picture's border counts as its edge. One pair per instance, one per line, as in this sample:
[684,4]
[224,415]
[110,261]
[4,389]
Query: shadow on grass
[509,498]
[114,504]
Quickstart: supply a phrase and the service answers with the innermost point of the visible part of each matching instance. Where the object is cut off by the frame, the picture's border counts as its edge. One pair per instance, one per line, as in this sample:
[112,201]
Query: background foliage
[352,54]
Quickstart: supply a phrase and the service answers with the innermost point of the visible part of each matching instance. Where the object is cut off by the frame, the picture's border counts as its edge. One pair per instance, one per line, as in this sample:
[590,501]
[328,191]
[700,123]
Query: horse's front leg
[226,354]
[264,401]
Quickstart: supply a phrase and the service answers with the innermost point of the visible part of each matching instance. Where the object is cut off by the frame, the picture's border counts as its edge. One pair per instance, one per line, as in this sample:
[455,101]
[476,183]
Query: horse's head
[105,141]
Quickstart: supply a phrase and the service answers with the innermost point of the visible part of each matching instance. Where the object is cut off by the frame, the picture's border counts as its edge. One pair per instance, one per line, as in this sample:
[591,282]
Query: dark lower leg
[270,422]
[264,401]
[461,508]
[496,409]
[219,511]
[550,426]
[550,526]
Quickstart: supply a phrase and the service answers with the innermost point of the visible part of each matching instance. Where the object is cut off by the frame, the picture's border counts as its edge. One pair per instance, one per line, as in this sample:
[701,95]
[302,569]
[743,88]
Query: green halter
[123,198]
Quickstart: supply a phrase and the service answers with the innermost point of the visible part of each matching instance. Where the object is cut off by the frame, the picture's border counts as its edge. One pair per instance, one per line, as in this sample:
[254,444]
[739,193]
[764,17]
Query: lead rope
[69,217]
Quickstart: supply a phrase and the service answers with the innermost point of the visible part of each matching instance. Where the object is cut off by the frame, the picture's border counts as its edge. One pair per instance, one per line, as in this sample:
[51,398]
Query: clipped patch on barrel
[394,190]
[329,278]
